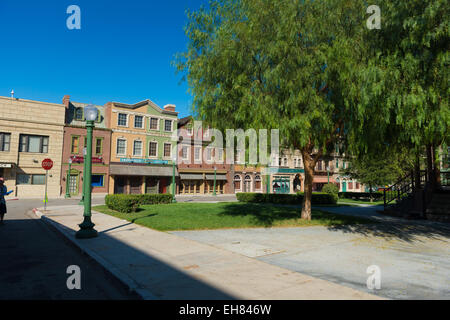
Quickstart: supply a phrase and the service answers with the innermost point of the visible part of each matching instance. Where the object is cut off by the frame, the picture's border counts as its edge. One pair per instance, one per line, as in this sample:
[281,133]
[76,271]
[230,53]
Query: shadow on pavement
[34,261]
[409,231]
[152,274]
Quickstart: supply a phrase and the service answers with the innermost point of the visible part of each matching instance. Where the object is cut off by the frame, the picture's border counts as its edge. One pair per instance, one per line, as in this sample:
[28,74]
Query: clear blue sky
[122,52]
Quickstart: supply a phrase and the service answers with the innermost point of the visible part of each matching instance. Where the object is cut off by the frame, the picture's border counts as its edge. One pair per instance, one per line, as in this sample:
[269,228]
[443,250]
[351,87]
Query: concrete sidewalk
[159,265]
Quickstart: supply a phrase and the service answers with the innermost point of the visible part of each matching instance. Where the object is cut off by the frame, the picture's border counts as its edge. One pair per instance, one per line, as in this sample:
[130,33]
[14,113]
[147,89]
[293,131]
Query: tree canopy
[284,65]
[313,70]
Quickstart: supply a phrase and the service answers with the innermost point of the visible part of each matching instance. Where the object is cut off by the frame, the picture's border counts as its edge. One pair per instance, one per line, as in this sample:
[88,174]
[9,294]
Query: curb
[109,268]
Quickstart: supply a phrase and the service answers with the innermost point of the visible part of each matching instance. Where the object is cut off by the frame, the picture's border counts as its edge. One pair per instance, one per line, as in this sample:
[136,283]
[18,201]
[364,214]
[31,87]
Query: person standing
[3,192]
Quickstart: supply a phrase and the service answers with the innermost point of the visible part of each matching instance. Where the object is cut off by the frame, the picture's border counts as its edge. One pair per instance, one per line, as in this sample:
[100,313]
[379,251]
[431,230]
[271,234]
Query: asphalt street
[413,256]
[34,260]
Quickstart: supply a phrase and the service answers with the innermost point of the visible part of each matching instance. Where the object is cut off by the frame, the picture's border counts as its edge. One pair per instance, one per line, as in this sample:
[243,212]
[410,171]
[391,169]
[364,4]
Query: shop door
[163,185]
[135,185]
[73,184]
[119,185]
[247,186]
[152,185]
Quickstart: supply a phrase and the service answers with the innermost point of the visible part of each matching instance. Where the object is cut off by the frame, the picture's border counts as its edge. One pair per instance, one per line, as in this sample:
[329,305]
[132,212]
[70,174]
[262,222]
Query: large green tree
[289,65]
[406,78]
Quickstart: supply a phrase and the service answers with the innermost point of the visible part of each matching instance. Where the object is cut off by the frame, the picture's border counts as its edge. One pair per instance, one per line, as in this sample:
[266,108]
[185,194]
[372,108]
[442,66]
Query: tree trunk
[417,172]
[370,192]
[309,164]
[430,169]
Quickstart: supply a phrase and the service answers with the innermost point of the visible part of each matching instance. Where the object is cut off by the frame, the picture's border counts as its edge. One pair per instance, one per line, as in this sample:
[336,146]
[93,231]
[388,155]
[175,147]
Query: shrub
[122,202]
[127,203]
[331,189]
[147,199]
[317,198]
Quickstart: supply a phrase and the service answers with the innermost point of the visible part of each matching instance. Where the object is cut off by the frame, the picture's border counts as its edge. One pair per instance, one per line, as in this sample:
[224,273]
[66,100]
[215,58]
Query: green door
[73,184]
[344,186]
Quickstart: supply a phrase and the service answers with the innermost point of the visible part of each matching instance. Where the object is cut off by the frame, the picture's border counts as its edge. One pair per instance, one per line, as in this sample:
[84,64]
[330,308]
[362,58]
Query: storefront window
[97,180]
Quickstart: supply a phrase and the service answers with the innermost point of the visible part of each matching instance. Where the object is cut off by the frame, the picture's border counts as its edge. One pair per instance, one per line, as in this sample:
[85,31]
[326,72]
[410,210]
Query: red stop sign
[47,164]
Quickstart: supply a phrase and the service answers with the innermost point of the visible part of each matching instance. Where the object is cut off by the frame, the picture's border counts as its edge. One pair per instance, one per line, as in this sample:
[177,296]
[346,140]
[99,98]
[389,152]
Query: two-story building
[74,147]
[30,131]
[200,164]
[142,150]
[286,172]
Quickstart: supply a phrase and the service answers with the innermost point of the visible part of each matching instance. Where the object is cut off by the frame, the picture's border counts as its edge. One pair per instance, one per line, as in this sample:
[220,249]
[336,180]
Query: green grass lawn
[374,203]
[198,216]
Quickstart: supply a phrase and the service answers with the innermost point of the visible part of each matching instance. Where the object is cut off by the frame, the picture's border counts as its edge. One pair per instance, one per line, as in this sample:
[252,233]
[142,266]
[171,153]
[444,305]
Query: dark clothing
[2,208]
[3,193]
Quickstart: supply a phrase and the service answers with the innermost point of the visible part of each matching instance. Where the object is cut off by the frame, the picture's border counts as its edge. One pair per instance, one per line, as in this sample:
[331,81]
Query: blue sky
[122,52]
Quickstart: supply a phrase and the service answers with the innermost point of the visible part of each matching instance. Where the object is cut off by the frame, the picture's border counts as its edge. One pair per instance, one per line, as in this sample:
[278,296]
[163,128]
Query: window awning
[220,177]
[191,176]
[323,180]
[127,170]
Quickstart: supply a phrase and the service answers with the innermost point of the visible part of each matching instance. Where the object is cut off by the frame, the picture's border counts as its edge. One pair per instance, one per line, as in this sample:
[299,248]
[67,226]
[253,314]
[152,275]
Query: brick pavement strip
[159,265]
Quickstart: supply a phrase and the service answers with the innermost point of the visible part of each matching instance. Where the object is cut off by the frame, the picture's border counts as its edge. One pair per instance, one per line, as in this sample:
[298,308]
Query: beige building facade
[30,131]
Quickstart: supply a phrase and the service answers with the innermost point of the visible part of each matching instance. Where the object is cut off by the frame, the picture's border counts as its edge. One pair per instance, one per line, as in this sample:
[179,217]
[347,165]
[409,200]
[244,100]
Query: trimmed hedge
[378,195]
[317,198]
[127,203]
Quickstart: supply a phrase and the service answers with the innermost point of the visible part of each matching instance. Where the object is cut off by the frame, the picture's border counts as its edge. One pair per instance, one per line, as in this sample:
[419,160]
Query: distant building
[142,149]
[286,173]
[249,178]
[197,160]
[74,145]
[30,131]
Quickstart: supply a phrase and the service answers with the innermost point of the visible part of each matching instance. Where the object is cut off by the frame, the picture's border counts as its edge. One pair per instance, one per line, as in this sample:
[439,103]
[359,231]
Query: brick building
[74,144]
[197,160]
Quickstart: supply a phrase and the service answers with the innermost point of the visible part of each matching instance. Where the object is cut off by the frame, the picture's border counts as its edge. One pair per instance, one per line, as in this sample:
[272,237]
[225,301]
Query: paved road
[413,255]
[34,260]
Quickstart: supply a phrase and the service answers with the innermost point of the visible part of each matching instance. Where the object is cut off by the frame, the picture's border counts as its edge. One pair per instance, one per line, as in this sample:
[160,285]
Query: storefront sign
[275,170]
[79,159]
[144,161]
[5,165]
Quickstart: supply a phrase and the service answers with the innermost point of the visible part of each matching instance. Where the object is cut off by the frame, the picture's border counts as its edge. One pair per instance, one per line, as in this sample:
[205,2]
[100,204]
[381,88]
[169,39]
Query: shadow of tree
[261,214]
[266,215]
[408,231]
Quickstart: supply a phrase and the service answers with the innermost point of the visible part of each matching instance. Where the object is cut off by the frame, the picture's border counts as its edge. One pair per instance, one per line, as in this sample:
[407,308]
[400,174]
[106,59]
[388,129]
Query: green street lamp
[87,227]
[68,178]
[214,190]
[328,172]
[173,179]
[81,203]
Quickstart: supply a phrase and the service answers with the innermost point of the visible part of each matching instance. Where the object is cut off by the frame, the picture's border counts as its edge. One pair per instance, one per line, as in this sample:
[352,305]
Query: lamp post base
[81,203]
[87,230]
[67,196]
